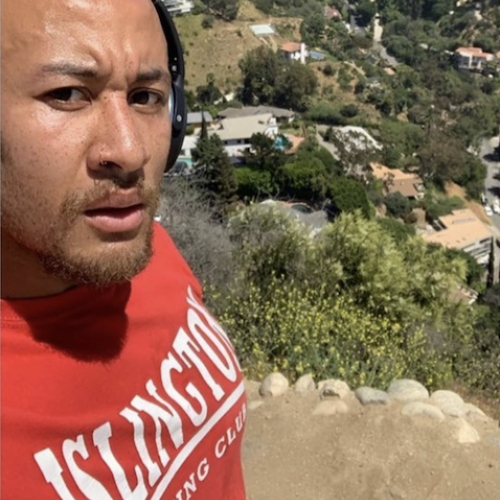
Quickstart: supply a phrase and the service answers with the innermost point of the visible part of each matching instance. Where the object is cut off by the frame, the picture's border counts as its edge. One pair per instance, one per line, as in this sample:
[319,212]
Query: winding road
[492,182]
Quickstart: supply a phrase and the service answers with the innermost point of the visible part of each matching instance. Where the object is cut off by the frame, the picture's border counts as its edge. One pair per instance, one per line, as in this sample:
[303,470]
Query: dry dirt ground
[217,50]
[371,453]
[453,189]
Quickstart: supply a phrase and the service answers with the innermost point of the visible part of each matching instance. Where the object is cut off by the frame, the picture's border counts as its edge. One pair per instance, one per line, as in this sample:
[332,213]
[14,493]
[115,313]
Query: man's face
[85,133]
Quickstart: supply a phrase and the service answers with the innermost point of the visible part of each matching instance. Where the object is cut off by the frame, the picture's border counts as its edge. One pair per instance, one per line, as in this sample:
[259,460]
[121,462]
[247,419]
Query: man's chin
[114,261]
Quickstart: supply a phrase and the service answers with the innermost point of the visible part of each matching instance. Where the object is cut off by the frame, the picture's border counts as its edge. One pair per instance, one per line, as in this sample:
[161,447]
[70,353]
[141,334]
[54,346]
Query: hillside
[218,49]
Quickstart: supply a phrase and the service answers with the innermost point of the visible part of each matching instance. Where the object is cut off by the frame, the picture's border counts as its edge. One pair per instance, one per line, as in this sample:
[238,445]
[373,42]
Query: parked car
[488,210]
[496,206]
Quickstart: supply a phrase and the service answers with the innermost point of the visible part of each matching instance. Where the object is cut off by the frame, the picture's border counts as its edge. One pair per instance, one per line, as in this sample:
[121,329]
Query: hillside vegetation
[363,299]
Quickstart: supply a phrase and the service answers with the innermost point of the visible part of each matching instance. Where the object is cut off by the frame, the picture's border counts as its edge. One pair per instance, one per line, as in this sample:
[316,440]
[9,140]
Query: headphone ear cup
[171,105]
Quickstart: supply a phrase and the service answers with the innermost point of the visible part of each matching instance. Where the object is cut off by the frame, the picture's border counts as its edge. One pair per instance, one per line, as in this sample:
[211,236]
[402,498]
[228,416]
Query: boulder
[407,390]
[369,396]
[424,409]
[333,388]
[449,402]
[305,384]
[274,385]
[463,432]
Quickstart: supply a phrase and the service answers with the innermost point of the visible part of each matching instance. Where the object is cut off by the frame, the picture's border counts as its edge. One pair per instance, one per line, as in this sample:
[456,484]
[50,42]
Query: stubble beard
[122,257]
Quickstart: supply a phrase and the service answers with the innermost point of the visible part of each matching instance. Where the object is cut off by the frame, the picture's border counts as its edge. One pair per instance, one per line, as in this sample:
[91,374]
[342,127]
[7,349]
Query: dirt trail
[371,453]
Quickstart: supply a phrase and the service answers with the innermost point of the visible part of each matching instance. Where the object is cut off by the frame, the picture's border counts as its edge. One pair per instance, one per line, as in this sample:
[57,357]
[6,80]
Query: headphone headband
[176,67]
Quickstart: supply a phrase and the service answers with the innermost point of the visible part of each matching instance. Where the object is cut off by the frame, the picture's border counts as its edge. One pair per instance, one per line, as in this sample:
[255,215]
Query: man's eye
[147,98]
[67,95]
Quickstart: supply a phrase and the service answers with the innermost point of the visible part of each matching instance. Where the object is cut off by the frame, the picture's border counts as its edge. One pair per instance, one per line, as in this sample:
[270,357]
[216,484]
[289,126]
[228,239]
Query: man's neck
[23,276]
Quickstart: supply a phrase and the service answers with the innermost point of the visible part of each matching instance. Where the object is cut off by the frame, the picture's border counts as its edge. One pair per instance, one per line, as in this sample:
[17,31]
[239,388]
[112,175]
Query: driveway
[492,182]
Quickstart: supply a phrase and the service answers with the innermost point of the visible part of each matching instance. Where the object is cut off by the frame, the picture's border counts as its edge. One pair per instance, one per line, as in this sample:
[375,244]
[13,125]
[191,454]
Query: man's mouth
[116,219]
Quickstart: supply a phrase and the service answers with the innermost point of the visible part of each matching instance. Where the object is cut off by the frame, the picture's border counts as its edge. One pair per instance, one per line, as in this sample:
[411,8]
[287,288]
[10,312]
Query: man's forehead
[47,29]
[22,17]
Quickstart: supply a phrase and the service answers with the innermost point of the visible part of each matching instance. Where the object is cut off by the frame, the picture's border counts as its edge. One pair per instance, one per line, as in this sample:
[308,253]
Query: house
[235,133]
[282,115]
[293,51]
[464,231]
[472,58]
[409,185]
[331,13]
[176,7]
[195,119]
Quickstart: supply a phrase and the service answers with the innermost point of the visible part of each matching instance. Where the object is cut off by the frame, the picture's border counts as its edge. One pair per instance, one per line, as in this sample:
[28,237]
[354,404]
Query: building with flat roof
[281,115]
[176,7]
[409,185]
[472,58]
[464,231]
[236,133]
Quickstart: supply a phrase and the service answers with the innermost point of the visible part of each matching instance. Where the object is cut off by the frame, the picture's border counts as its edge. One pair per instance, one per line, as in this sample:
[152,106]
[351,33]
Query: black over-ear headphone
[177,101]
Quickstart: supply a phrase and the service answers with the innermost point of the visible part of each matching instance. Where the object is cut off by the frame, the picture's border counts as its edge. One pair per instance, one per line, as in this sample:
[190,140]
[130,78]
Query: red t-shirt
[131,392]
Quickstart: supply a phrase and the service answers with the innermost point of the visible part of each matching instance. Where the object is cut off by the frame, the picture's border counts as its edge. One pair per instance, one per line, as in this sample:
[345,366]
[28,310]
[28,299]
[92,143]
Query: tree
[366,10]
[260,68]
[295,84]
[208,94]
[225,9]
[305,180]
[263,154]
[253,183]
[397,205]
[312,28]
[213,171]
[347,196]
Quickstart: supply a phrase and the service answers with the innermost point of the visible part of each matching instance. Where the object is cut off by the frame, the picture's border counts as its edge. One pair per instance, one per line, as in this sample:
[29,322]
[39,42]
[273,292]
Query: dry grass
[453,189]
[330,90]
[218,50]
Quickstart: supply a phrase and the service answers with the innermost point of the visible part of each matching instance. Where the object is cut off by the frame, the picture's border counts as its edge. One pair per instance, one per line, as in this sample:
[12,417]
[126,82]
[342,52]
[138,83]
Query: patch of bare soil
[217,50]
[453,189]
[370,453]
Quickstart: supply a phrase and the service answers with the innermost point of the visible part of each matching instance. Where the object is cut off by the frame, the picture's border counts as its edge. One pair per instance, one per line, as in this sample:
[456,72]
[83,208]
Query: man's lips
[113,219]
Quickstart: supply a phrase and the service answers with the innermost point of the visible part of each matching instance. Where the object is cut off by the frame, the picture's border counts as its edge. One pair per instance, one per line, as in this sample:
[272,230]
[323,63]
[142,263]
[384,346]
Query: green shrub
[328,70]
[207,22]
[298,331]
[397,205]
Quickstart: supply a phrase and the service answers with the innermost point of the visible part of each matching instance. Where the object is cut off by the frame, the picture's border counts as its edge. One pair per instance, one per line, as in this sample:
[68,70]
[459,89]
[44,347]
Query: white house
[294,51]
[235,133]
[472,58]
[176,7]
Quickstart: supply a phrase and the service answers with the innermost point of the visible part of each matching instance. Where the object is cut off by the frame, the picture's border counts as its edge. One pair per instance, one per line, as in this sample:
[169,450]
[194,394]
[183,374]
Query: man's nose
[119,147]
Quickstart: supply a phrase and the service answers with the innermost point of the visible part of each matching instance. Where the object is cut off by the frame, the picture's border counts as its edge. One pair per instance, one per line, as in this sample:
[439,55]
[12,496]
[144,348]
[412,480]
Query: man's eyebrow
[70,69]
[153,74]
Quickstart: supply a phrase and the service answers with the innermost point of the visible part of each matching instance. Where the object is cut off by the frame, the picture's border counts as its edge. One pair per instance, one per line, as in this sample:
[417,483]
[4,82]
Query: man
[116,382]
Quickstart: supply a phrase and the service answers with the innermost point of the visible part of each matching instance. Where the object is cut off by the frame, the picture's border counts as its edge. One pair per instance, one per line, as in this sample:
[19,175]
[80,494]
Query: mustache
[77,203]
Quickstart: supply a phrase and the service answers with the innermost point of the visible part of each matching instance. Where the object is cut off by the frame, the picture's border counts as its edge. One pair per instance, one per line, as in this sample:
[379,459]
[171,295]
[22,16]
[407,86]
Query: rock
[407,390]
[305,384]
[369,396]
[253,405]
[397,493]
[333,388]
[449,402]
[475,413]
[424,409]
[463,432]
[275,384]
[331,407]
